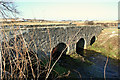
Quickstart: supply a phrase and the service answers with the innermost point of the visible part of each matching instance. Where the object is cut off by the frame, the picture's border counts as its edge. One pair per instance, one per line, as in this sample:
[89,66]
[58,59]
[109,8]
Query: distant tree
[89,22]
[105,25]
[7,9]
[86,22]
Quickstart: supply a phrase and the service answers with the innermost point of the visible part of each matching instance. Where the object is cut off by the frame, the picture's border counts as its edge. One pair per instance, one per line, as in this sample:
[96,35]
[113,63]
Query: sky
[68,9]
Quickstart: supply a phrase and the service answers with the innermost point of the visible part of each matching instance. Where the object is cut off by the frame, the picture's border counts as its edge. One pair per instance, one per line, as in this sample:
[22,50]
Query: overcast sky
[68,9]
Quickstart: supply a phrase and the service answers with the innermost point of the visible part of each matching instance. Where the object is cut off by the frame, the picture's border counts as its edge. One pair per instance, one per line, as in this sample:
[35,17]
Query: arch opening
[92,40]
[80,46]
[60,48]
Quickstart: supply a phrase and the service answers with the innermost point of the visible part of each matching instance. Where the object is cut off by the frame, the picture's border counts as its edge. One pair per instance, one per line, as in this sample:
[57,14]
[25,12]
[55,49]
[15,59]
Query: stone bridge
[45,39]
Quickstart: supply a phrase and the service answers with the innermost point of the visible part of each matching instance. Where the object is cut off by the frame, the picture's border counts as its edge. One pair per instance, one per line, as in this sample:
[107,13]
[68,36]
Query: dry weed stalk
[17,60]
[105,68]
[69,43]
[20,61]
[78,73]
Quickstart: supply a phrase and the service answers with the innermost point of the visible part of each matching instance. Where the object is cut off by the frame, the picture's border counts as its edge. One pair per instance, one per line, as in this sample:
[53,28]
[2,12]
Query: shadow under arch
[57,50]
[92,40]
[80,46]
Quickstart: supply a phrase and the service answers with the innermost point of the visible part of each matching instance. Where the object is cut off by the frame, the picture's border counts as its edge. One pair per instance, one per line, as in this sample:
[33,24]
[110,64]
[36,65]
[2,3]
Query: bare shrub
[19,60]
[7,9]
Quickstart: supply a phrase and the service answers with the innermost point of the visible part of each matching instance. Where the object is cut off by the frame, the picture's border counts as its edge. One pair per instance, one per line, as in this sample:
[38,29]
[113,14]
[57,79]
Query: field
[77,23]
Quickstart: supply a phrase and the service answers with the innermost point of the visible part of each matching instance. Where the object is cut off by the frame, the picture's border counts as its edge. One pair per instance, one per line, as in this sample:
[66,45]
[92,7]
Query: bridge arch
[93,39]
[80,46]
[60,48]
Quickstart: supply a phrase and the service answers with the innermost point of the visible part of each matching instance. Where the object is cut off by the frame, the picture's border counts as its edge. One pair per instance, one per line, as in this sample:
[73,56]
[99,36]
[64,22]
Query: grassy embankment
[107,43]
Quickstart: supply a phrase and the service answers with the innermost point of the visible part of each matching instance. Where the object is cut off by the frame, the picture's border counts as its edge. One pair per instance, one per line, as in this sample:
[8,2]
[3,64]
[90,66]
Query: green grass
[69,63]
[60,69]
[105,51]
[79,59]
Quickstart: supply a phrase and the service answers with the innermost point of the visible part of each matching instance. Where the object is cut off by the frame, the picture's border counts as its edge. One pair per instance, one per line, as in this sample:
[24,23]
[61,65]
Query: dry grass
[36,23]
